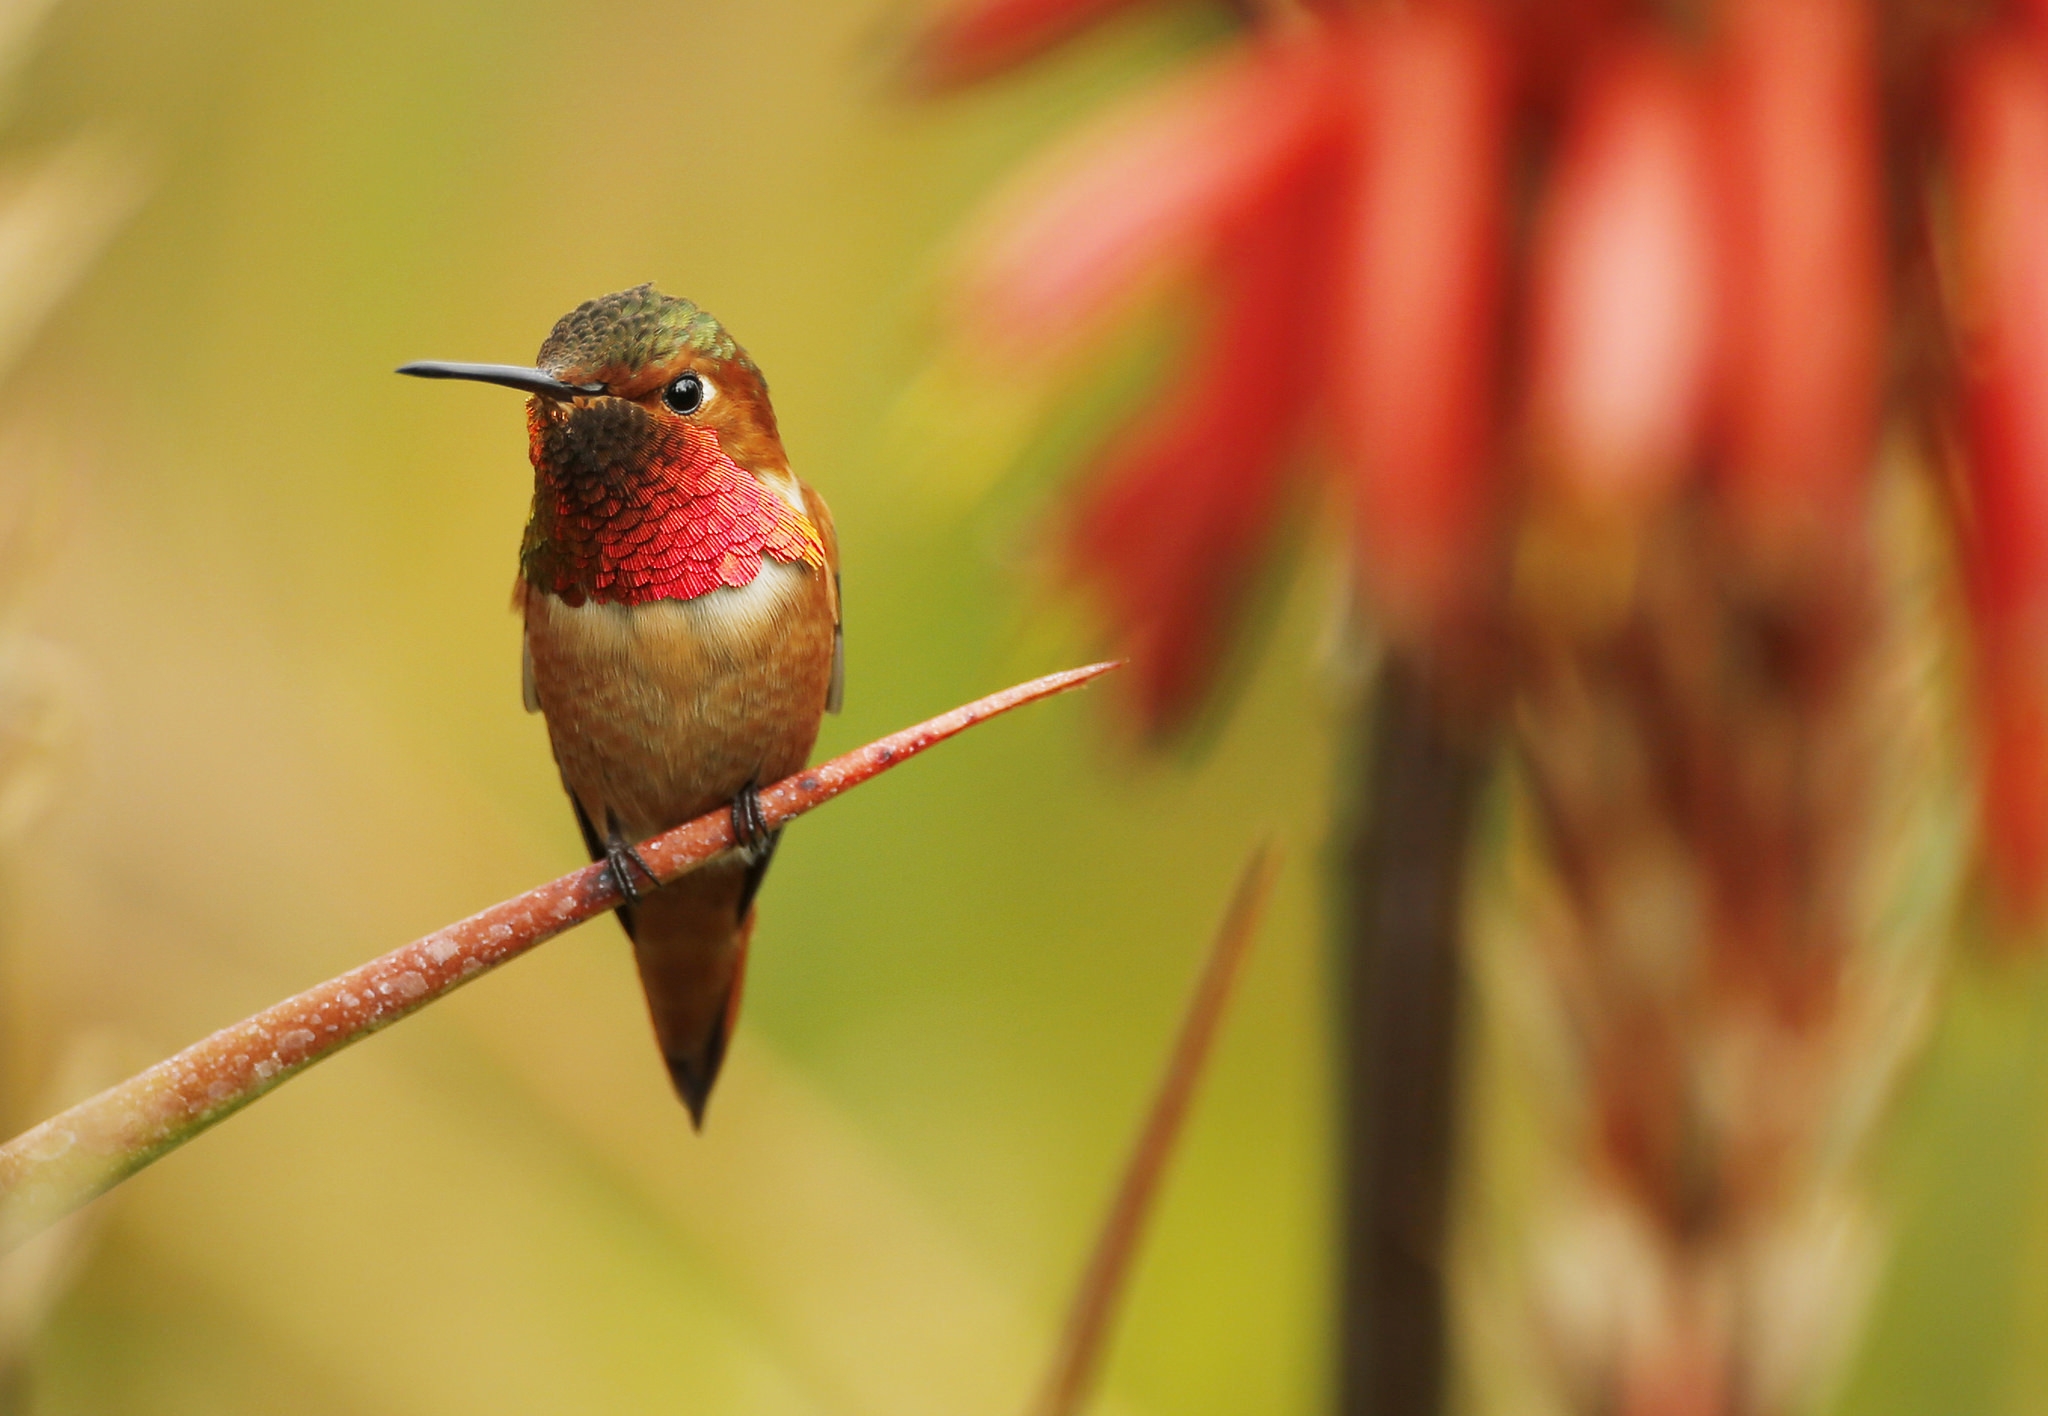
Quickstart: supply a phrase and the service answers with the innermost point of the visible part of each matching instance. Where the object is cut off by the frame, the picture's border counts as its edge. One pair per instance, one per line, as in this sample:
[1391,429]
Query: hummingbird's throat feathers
[630,506]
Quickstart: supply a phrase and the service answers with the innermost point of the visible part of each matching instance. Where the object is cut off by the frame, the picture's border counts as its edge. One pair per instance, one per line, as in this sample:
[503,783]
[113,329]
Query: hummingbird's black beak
[508,375]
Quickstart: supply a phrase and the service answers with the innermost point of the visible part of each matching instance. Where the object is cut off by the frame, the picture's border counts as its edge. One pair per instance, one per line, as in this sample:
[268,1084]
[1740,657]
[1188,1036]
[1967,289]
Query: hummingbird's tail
[690,940]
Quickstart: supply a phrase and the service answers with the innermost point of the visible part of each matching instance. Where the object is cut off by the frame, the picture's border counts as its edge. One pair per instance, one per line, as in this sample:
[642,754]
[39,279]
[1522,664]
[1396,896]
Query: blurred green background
[281,577]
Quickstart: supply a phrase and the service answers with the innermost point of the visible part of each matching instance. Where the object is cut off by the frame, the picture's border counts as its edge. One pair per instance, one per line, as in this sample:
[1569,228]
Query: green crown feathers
[632,329]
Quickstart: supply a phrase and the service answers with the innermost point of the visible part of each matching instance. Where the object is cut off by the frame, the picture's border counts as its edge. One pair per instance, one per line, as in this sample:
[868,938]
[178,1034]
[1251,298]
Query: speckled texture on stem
[52,1169]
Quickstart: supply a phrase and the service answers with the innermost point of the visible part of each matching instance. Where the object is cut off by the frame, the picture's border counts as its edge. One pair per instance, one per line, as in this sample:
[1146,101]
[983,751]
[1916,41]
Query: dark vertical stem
[1401,870]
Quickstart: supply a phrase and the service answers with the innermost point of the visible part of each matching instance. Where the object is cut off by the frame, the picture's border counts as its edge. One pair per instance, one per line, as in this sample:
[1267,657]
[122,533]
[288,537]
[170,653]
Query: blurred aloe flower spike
[1686,370]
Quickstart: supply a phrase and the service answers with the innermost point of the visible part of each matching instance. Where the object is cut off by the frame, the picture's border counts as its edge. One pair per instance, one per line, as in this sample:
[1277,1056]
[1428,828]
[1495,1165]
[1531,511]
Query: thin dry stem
[1094,1307]
[52,1169]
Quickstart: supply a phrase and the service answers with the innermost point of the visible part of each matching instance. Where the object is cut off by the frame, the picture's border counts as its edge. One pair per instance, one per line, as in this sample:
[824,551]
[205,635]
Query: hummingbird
[680,591]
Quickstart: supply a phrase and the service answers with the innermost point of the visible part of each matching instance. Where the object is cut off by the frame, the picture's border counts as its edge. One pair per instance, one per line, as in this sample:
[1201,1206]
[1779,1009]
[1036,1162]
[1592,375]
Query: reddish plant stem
[1102,1284]
[52,1169]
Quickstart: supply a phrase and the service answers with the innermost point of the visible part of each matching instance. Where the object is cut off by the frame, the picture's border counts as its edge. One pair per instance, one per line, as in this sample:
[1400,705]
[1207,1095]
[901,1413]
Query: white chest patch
[727,621]
[741,613]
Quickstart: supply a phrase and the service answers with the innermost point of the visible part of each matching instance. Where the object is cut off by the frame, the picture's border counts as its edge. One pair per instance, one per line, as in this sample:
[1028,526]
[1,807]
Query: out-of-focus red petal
[1417,311]
[984,37]
[1805,266]
[1999,142]
[1173,525]
[1624,287]
[1142,197]
[1999,153]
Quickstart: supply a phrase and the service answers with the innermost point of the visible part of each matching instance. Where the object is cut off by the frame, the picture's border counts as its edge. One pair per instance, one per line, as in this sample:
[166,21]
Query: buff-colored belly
[663,711]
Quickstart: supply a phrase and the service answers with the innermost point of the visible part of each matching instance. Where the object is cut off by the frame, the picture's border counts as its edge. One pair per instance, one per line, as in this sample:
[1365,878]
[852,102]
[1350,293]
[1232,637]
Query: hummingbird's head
[631,376]
[668,360]
[658,471]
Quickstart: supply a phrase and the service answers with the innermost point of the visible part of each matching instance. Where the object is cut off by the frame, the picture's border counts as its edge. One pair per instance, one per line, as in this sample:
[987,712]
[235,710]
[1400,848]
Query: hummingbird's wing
[835,692]
[821,517]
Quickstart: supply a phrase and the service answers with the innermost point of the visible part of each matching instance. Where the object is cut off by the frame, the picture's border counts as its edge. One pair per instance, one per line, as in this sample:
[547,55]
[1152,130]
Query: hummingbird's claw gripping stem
[622,860]
[749,823]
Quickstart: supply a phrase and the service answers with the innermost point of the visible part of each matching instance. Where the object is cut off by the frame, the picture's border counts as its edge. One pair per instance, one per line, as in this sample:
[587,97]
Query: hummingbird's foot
[622,860]
[749,822]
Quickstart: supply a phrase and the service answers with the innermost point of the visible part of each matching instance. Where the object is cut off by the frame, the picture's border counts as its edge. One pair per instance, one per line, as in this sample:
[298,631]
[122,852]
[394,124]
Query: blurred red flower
[1483,262]
[1593,313]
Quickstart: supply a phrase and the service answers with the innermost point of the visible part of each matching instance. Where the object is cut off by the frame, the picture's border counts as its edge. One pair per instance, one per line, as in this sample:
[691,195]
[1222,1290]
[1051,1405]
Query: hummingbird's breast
[663,710]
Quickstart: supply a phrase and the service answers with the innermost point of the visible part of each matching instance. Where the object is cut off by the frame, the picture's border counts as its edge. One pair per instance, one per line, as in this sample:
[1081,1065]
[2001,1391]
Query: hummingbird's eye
[686,394]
